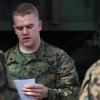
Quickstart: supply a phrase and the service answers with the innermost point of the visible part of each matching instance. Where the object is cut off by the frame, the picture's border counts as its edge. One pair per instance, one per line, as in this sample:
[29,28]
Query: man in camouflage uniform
[54,71]
[90,89]
[6,93]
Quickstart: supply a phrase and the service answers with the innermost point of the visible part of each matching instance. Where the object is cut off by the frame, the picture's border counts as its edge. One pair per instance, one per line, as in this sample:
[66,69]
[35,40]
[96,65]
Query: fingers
[33,94]
[33,90]
[37,91]
[36,96]
[29,90]
[34,86]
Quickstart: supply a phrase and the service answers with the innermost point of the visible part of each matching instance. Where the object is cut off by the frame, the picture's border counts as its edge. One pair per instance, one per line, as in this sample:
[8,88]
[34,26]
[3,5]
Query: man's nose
[24,30]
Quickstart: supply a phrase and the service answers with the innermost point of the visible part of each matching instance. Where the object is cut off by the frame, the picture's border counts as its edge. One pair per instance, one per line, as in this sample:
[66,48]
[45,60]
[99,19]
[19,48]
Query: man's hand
[37,91]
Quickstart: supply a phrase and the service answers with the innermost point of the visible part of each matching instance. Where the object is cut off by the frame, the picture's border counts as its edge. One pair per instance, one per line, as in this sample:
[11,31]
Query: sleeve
[67,82]
[2,72]
[6,93]
[85,87]
[90,87]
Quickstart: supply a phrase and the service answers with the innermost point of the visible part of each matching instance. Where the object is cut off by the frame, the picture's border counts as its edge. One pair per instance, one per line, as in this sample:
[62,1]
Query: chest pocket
[47,75]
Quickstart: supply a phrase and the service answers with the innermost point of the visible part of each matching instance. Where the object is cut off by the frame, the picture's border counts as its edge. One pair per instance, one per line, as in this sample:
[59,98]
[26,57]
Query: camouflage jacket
[90,89]
[6,93]
[49,66]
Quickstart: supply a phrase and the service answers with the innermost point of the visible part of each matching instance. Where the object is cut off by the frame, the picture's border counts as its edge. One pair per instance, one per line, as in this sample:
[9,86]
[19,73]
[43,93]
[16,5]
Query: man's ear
[40,25]
[14,28]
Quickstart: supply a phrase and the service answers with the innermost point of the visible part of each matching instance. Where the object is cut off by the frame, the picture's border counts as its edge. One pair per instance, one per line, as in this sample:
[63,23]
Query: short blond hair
[24,9]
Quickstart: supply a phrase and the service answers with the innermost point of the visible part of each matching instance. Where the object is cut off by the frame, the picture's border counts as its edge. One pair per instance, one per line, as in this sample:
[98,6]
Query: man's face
[27,28]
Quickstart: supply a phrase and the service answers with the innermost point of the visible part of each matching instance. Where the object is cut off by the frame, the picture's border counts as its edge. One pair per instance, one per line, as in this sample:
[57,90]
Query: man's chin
[27,45]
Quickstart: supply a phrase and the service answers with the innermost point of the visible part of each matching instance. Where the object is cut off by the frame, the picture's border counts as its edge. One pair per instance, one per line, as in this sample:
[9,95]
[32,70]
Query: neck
[31,49]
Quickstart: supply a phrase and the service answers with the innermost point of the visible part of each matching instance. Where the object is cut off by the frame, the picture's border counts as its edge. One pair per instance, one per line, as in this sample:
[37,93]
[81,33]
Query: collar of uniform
[25,58]
[42,50]
[16,56]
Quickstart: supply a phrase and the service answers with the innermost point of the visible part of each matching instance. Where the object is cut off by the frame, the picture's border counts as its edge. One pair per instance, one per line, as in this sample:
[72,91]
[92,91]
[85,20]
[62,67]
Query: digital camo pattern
[5,92]
[91,85]
[49,66]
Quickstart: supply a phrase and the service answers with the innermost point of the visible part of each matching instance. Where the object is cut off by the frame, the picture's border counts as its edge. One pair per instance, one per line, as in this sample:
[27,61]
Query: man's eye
[29,26]
[19,28]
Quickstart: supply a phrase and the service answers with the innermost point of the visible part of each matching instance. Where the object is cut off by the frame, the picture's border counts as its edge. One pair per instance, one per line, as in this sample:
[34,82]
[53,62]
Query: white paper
[19,85]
